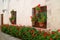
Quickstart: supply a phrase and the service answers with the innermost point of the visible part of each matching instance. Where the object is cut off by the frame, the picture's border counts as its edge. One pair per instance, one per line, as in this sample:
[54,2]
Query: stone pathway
[4,36]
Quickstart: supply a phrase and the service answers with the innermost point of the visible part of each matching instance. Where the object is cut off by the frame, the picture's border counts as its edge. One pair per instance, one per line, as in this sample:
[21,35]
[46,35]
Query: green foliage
[34,18]
[12,18]
[27,33]
[13,31]
[38,8]
[42,17]
[5,29]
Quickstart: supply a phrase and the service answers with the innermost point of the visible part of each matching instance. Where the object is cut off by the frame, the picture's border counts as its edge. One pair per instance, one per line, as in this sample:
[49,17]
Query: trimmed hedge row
[27,33]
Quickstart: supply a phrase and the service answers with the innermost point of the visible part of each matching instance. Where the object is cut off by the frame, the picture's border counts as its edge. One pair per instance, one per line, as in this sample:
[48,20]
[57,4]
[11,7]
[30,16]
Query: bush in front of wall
[5,29]
[13,31]
[27,33]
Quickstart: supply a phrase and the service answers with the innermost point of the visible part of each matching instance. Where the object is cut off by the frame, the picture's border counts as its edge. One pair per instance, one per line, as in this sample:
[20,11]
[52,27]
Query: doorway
[1,19]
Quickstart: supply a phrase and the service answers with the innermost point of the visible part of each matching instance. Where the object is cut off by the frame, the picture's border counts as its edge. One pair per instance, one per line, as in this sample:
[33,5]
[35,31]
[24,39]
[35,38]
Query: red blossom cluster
[38,5]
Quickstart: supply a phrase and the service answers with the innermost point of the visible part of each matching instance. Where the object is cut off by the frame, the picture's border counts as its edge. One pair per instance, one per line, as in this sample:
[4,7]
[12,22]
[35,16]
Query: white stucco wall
[1,7]
[6,13]
[53,13]
[24,11]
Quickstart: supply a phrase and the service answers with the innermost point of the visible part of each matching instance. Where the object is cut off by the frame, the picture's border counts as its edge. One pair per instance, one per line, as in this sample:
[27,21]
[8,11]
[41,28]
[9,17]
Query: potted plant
[12,19]
[42,18]
[33,19]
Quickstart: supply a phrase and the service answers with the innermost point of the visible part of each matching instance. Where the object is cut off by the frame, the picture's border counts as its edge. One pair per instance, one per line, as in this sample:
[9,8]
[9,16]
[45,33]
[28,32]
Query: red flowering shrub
[29,33]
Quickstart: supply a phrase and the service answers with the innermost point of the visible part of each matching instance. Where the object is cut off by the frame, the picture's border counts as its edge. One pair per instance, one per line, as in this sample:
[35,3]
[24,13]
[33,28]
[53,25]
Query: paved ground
[4,36]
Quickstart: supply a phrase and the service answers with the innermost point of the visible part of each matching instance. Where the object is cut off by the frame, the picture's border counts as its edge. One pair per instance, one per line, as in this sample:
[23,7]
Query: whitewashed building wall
[53,14]
[24,11]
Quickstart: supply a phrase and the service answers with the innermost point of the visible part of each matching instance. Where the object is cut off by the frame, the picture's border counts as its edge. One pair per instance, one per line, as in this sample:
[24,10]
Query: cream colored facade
[24,11]
[53,14]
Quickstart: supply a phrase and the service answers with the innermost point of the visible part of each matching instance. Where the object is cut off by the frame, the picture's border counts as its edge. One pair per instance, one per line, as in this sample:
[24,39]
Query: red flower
[53,32]
[45,34]
[48,34]
[51,39]
[12,21]
[58,30]
[32,31]
[31,17]
[38,5]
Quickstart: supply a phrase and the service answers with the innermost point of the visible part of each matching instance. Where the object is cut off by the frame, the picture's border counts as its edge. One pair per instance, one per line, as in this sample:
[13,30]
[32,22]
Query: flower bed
[28,33]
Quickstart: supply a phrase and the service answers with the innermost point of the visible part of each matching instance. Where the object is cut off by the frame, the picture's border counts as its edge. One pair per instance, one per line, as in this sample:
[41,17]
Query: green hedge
[27,33]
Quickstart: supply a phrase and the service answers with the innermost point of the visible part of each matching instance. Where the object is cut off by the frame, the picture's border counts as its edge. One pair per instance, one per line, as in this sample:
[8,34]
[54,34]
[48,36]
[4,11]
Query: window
[40,17]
